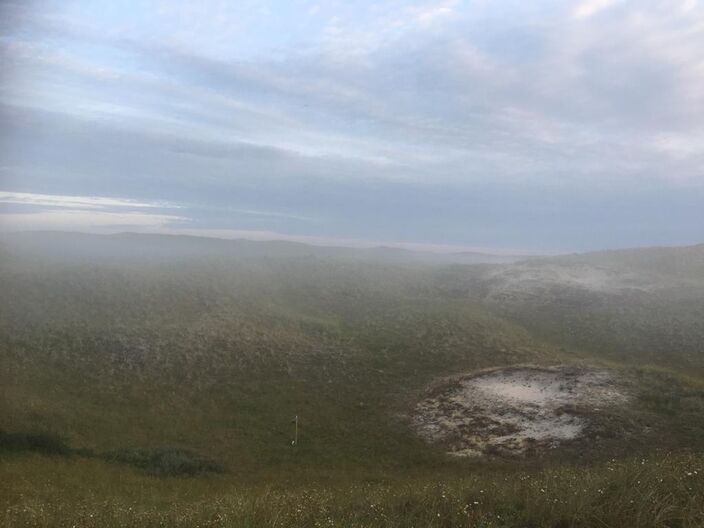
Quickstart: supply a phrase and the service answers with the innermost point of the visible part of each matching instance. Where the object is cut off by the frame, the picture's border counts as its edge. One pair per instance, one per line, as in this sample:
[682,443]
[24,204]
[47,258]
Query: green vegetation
[166,461]
[44,443]
[110,358]
[649,492]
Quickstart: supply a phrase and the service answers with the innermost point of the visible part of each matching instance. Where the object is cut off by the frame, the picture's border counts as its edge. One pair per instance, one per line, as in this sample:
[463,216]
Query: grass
[214,360]
[654,492]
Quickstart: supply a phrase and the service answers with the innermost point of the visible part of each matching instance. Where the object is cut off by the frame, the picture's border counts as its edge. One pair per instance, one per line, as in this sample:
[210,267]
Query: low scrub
[166,461]
[45,443]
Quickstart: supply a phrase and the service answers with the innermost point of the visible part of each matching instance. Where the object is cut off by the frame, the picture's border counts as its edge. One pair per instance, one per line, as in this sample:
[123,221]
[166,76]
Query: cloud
[83,220]
[75,202]
[274,214]
[287,108]
[589,8]
[431,13]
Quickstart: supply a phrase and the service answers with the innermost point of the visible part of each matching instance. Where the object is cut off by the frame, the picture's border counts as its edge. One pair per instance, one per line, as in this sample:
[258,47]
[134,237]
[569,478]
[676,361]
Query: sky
[493,125]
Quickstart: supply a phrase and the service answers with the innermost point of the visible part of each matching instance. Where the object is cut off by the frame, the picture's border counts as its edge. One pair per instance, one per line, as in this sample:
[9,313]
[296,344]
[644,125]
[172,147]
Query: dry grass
[667,491]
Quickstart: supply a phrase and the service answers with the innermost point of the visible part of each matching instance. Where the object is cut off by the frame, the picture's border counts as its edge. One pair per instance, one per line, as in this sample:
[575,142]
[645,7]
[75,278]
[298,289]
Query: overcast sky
[504,125]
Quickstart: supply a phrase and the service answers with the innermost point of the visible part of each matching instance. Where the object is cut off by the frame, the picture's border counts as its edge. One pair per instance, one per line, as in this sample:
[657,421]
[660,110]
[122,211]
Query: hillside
[132,246]
[156,347]
[642,305]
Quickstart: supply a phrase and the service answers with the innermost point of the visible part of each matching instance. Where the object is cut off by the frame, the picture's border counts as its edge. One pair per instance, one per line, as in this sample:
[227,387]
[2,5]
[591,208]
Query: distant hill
[131,246]
[679,262]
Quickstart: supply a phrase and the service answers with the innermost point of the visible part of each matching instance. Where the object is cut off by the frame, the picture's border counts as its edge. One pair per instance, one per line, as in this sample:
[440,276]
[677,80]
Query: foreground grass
[667,491]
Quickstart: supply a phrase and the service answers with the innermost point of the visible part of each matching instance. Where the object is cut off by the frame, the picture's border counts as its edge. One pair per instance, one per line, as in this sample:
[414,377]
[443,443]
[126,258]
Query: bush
[165,461]
[44,443]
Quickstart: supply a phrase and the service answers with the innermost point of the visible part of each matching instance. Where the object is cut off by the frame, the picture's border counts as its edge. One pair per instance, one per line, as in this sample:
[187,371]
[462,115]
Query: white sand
[515,408]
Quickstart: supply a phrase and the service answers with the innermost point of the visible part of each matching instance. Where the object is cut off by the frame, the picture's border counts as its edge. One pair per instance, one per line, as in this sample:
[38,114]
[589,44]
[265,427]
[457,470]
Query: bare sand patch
[511,410]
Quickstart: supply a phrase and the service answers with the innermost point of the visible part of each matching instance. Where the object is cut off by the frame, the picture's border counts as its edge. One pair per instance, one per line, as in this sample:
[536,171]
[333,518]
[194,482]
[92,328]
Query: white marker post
[295,437]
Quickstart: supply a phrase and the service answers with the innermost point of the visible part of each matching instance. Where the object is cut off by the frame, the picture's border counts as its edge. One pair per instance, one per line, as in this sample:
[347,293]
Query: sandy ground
[508,411]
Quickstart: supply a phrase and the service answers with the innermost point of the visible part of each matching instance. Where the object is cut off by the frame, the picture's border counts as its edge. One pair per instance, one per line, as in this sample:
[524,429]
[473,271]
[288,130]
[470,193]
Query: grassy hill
[153,380]
[640,306]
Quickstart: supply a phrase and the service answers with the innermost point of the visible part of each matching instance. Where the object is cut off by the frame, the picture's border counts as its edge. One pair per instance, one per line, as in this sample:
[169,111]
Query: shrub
[165,461]
[45,443]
